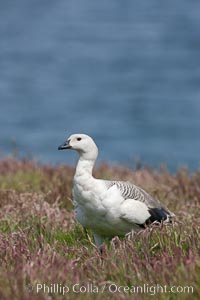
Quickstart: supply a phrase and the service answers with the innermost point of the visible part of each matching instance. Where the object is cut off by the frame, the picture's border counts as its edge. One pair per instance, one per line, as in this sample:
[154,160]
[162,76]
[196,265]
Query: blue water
[125,72]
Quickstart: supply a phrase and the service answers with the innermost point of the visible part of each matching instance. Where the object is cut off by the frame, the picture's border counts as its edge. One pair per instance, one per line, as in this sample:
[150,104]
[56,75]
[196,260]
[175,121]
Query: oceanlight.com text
[108,287]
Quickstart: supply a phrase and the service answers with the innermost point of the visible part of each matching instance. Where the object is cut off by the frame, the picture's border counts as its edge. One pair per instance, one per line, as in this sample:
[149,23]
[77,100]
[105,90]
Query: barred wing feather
[140,208]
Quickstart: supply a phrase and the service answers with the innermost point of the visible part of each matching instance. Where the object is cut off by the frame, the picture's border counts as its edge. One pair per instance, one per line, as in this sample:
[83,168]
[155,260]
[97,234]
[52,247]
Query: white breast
[99,208]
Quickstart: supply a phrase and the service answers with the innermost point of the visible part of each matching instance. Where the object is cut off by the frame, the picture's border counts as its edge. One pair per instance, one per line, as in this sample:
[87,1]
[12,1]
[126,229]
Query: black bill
[65,145]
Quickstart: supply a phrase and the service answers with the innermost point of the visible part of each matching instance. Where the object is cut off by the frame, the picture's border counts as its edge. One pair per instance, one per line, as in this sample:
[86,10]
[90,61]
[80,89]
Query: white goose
[109,208]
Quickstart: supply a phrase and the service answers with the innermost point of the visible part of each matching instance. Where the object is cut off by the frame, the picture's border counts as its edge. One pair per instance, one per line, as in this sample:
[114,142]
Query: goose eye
[79,139]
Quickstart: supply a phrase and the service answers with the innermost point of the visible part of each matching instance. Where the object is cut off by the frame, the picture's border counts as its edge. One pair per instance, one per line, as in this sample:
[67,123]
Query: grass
[43,247]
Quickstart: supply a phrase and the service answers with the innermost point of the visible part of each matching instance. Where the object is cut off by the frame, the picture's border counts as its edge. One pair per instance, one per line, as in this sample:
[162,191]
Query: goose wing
[138,206]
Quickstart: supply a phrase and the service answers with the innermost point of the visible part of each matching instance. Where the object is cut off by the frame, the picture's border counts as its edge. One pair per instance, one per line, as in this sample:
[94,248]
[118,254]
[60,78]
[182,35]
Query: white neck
[84,168]
[86,163]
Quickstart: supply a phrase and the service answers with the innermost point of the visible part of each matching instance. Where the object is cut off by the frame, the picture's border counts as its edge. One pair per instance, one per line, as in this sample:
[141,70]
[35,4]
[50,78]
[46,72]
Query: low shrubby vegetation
[44,252]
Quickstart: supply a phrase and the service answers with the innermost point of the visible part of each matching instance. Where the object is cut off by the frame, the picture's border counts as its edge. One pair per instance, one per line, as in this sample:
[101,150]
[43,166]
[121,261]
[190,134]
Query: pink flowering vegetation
[41,243]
